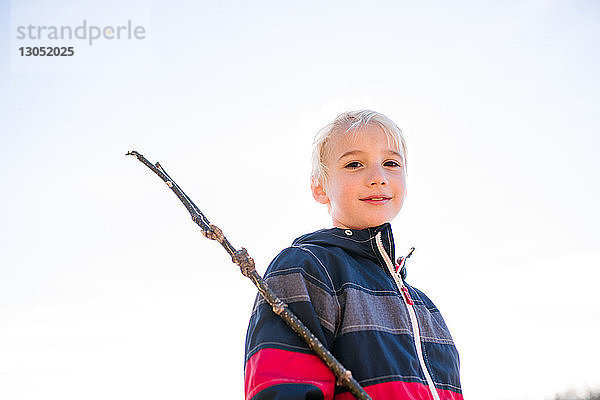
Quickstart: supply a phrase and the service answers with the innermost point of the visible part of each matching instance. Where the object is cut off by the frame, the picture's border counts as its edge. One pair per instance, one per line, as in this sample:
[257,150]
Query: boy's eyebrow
[353,152]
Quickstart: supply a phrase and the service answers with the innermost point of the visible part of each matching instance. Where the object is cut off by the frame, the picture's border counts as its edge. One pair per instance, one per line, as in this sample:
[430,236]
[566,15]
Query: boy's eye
[352,165]
[392,163]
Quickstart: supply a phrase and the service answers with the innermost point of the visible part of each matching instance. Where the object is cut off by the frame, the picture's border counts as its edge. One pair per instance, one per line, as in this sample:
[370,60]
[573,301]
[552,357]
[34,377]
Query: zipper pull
[400,268]
[407,295]
[399,263]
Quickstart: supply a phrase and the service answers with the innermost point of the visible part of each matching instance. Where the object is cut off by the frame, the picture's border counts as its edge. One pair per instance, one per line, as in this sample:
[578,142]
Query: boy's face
[367,180]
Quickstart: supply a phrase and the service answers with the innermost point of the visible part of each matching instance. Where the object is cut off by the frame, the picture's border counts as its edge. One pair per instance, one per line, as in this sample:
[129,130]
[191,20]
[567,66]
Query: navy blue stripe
[268,330]
[378,357]
[443,363]
[319,265]
[345,269]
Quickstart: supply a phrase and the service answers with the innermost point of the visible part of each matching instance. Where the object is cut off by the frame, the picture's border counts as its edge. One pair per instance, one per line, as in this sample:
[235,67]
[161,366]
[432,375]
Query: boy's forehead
[343,143]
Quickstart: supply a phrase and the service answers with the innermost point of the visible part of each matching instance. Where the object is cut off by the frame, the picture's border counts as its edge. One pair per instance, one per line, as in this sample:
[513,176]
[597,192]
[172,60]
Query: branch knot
[245,262]
[214,232]
[345,378]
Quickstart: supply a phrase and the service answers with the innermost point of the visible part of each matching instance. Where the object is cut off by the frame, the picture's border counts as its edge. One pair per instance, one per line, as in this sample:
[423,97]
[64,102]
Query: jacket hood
[358,242]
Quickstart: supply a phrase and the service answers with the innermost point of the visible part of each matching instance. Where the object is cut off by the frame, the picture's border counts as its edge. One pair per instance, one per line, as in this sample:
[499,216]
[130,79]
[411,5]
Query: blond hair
[351,122]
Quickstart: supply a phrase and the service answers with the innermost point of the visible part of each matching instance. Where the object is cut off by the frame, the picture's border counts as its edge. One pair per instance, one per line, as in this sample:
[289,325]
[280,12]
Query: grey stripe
[293,288]
[433,328]
[361,311]
[364,311]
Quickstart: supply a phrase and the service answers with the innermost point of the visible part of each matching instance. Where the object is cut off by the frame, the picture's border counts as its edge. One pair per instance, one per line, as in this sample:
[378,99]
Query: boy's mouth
[376,199]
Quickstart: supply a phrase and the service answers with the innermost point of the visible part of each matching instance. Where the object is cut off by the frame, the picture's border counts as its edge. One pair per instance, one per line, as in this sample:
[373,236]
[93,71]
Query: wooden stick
[246,264]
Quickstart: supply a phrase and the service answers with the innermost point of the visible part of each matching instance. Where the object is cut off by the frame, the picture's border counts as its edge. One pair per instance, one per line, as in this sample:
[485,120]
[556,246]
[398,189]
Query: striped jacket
[343,285]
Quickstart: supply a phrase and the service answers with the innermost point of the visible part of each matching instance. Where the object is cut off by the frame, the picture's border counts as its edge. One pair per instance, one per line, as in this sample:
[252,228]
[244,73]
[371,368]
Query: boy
[341,282]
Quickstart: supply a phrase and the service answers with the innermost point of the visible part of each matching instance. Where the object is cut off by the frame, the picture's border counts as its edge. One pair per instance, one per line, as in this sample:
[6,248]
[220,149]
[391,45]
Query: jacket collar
[359,242]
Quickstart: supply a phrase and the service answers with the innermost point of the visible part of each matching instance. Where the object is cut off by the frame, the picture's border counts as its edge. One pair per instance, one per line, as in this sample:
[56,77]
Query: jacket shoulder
[305,260]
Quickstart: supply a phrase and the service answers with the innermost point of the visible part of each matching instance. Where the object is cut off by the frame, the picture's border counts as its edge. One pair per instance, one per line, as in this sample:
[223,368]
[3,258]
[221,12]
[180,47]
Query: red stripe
[401,391]
[449,395]
[270,367]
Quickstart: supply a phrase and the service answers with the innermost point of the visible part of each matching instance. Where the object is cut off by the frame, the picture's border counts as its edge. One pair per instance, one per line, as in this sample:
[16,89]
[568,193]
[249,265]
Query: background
[108,290]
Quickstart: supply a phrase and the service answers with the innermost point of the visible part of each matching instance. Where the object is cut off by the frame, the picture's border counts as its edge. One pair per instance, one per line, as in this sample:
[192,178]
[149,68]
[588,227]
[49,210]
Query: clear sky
[108,290]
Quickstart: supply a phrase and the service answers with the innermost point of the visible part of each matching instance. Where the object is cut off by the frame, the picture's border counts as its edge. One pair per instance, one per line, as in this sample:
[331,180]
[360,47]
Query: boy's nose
[378,182]
[378,177]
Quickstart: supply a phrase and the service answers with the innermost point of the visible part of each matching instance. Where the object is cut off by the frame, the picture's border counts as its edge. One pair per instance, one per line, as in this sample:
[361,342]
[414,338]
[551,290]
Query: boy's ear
[318,192]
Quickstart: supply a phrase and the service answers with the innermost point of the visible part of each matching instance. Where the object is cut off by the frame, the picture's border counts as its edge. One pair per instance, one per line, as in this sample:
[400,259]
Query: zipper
[411,311]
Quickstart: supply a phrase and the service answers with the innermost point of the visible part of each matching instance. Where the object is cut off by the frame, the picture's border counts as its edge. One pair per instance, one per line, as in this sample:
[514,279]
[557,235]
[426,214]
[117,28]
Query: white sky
[107,289]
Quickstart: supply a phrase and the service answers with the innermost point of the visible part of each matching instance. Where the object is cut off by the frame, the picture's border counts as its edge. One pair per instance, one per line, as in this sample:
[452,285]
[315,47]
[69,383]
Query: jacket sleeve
[279,365]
